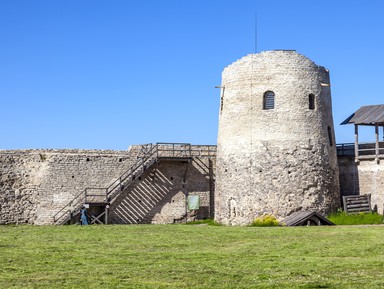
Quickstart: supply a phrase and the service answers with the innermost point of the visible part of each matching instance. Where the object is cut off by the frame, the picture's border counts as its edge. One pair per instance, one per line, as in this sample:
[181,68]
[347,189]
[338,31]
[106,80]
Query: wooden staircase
[98,200]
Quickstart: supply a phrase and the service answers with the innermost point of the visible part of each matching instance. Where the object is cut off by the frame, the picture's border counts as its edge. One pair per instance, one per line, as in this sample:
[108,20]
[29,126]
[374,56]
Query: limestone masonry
[276,150]
[276,154]
[36,184]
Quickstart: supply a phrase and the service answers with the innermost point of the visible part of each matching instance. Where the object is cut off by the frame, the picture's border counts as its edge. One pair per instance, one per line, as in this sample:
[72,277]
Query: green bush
[342,218]
[265,221]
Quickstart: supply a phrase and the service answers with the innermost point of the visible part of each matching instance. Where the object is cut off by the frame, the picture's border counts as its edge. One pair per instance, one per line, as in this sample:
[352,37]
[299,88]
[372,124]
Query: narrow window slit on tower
[311,101]
[221,103]
[222,88]
[330,136]
[269,100]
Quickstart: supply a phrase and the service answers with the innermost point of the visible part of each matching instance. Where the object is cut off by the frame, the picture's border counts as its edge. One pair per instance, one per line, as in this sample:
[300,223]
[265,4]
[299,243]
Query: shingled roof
[305,218]
[367,115]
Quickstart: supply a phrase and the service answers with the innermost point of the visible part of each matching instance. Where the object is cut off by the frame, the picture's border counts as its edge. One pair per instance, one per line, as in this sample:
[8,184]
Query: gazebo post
[377,142]
[356,142]
[370,115]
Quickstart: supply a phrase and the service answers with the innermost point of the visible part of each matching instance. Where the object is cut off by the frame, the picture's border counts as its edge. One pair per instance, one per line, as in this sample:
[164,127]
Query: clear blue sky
[108,74]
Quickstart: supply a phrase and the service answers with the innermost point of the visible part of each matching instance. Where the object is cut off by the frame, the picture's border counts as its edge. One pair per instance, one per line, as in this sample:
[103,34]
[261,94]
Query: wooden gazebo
[371,115]
[306,218]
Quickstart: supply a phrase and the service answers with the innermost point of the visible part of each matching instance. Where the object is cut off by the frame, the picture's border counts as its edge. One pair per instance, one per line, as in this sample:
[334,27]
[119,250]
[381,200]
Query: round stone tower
[276,149]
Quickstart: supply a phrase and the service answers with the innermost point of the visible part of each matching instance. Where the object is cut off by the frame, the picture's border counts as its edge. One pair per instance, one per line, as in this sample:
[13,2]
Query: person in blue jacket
[84,216]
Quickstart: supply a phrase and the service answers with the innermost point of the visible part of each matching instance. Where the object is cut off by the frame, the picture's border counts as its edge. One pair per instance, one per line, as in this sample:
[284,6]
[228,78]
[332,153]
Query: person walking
[83,216]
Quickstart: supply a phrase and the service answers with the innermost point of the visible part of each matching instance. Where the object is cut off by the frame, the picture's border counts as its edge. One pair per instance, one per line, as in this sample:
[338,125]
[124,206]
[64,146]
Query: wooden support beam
[356,142]
[95,219]
[106,214]
[377,143]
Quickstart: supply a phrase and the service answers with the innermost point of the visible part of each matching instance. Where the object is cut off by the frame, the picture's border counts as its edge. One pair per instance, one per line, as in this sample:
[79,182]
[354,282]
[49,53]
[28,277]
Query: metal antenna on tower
[255,32]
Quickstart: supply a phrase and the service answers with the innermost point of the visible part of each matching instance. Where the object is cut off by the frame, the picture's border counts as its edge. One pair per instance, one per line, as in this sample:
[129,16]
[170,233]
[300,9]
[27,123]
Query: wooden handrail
[148,154]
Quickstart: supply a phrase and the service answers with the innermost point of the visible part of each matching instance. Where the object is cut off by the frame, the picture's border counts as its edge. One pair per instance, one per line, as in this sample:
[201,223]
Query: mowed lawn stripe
[180,256]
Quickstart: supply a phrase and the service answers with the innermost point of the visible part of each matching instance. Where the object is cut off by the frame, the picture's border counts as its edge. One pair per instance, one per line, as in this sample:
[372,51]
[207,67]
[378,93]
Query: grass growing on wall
[342,218]
[180,256]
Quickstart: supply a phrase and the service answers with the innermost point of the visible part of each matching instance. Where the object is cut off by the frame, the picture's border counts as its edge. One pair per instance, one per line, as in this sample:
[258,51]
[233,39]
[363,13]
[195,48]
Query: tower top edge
[273,55]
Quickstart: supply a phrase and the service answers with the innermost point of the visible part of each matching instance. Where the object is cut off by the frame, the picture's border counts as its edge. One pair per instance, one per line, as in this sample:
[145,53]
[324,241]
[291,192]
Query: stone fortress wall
[269,161]
[160,195]
[280,160]
[362,178]
[35,184]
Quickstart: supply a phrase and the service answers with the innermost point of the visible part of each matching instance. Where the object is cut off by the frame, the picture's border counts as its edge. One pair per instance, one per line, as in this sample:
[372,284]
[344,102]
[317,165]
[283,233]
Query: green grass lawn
[180,256]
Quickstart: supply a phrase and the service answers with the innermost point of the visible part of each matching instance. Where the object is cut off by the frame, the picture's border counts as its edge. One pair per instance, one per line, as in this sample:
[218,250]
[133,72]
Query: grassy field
[342,218]
[180,256]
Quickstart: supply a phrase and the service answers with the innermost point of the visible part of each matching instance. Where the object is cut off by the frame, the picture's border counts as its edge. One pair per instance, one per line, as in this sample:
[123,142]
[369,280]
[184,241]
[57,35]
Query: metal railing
[148,155]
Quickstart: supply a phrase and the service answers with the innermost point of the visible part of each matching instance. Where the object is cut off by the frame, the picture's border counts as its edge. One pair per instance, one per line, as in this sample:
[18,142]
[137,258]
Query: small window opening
[269,100]
[120,160]
[88,159]
[330,136]
[311,101]
[222,99]
[232,208]
[221,104]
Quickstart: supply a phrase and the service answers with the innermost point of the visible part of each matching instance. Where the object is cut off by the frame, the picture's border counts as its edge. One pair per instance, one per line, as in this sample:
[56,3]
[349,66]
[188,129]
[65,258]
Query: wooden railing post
[106,214]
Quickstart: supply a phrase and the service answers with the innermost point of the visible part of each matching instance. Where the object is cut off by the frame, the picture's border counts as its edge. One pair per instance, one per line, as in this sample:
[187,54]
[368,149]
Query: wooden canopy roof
[303,218]
[367,115]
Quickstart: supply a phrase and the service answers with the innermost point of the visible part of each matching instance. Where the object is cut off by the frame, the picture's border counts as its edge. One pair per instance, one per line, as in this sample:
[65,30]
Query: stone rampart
[36,184]
[365,177]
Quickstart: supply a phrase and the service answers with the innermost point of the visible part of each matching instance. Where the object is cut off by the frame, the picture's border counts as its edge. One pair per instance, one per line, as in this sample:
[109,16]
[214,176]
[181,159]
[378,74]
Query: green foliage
[180,256]
[265,221]
[342,218]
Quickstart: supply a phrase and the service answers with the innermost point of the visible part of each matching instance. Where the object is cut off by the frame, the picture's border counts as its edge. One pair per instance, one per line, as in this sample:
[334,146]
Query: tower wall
[275,161]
